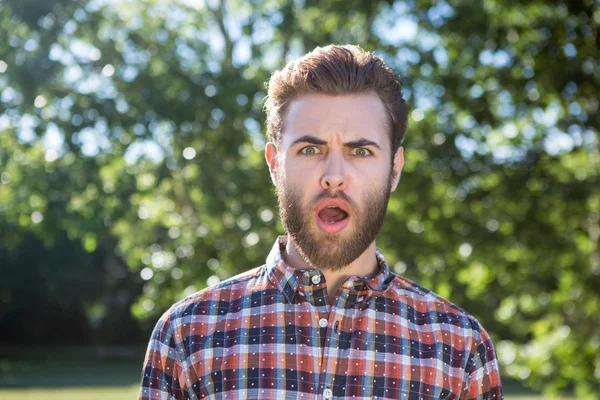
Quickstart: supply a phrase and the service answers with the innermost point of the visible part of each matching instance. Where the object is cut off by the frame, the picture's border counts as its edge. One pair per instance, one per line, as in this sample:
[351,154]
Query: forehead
[351,116]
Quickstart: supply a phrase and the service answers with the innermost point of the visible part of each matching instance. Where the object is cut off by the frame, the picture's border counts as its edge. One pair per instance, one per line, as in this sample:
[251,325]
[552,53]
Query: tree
[136,128]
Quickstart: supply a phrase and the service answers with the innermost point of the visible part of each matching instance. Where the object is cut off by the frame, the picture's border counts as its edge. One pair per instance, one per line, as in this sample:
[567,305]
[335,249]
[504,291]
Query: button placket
[331,351]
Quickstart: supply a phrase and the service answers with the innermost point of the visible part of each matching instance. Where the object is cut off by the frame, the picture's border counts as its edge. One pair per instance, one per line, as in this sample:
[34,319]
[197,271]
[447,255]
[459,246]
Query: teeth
[331,207]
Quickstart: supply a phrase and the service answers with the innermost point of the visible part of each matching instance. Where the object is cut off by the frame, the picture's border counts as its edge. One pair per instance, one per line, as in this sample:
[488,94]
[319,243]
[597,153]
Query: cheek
[301,174]
[370,180]
[370,173]
[297,164]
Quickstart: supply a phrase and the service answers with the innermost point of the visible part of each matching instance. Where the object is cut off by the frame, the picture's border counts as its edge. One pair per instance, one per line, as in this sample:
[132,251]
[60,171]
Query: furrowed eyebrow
[352,144]
[309,139]
[361,143]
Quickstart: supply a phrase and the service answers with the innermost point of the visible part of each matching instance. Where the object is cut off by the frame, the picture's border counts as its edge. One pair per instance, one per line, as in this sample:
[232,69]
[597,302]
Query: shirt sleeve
[483,382]
[162,373]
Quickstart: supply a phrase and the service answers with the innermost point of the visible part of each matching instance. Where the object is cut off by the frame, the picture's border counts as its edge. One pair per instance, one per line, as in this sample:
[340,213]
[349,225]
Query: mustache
[331,194]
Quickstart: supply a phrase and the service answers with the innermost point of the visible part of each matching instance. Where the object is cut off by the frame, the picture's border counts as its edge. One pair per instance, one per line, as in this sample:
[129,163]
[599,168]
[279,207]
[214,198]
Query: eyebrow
[361,143]
[309,139]
[353,143]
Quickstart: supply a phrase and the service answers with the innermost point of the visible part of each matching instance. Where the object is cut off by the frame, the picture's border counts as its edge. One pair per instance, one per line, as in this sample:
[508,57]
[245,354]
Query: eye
[361,152]
[310,150]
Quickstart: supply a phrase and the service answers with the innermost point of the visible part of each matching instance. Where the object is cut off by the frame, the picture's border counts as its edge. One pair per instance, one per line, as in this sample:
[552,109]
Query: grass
[69,373]
[84,373]
[87,393]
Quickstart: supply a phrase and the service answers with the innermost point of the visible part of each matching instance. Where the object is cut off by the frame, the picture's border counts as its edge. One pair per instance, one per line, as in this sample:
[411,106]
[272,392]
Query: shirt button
[323,324]
[328,394]
[316,279]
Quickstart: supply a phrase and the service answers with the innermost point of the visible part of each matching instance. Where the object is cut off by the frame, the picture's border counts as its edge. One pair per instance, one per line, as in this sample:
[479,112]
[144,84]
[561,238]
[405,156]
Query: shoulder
[236,286]
[433,308]
[217,297]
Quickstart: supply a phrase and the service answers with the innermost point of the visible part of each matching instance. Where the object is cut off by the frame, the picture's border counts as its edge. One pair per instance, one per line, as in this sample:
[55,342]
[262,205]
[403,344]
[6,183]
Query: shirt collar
[287,279]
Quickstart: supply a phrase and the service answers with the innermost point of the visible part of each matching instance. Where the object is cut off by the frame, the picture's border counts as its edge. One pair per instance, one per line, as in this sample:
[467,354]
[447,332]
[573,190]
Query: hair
[336,70]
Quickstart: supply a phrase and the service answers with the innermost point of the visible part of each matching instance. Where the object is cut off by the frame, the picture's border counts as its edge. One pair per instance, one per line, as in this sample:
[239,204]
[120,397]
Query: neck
[364,265]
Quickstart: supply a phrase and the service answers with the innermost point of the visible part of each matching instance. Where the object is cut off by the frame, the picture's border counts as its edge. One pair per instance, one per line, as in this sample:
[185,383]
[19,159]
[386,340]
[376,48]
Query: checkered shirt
[270,333]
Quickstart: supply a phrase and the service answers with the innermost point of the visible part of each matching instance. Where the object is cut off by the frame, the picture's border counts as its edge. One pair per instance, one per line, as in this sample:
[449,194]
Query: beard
[332,251]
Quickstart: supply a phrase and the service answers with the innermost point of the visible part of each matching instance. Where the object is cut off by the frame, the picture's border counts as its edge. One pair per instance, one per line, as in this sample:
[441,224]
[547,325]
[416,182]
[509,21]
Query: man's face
[333,175]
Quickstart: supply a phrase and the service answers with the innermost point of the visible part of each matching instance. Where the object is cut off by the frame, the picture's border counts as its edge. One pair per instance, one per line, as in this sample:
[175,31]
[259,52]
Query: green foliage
[136,129]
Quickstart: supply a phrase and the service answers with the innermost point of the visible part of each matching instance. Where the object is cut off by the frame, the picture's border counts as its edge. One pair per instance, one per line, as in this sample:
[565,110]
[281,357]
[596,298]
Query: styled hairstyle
[336,70]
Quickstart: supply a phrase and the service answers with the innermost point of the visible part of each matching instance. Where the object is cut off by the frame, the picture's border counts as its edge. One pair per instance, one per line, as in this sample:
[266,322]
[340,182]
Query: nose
[334,177]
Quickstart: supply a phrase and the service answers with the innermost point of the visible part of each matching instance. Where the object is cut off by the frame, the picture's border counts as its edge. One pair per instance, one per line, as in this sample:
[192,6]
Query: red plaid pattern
[270,333]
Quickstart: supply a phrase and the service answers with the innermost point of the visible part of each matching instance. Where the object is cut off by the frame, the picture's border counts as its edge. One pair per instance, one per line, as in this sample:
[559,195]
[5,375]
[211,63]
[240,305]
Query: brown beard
[332,251]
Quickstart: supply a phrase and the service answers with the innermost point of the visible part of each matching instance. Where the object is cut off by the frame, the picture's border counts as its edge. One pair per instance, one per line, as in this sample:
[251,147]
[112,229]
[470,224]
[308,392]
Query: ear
[397,166]
[271,158]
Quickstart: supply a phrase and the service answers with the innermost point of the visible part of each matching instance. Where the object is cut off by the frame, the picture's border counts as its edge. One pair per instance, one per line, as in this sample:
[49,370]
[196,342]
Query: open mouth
[332,214]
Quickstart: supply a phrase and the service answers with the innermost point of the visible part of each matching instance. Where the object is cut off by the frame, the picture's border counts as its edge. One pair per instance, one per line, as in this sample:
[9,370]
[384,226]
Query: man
[325,317]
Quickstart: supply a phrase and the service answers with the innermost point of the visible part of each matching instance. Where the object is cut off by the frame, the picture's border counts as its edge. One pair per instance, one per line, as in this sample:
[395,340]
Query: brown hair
[336,70]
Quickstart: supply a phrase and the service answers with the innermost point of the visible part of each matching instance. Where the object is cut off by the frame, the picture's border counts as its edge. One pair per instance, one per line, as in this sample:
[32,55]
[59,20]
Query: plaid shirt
[270,333]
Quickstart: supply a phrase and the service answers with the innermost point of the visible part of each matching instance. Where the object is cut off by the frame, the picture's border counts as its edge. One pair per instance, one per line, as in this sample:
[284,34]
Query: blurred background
[132,173]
